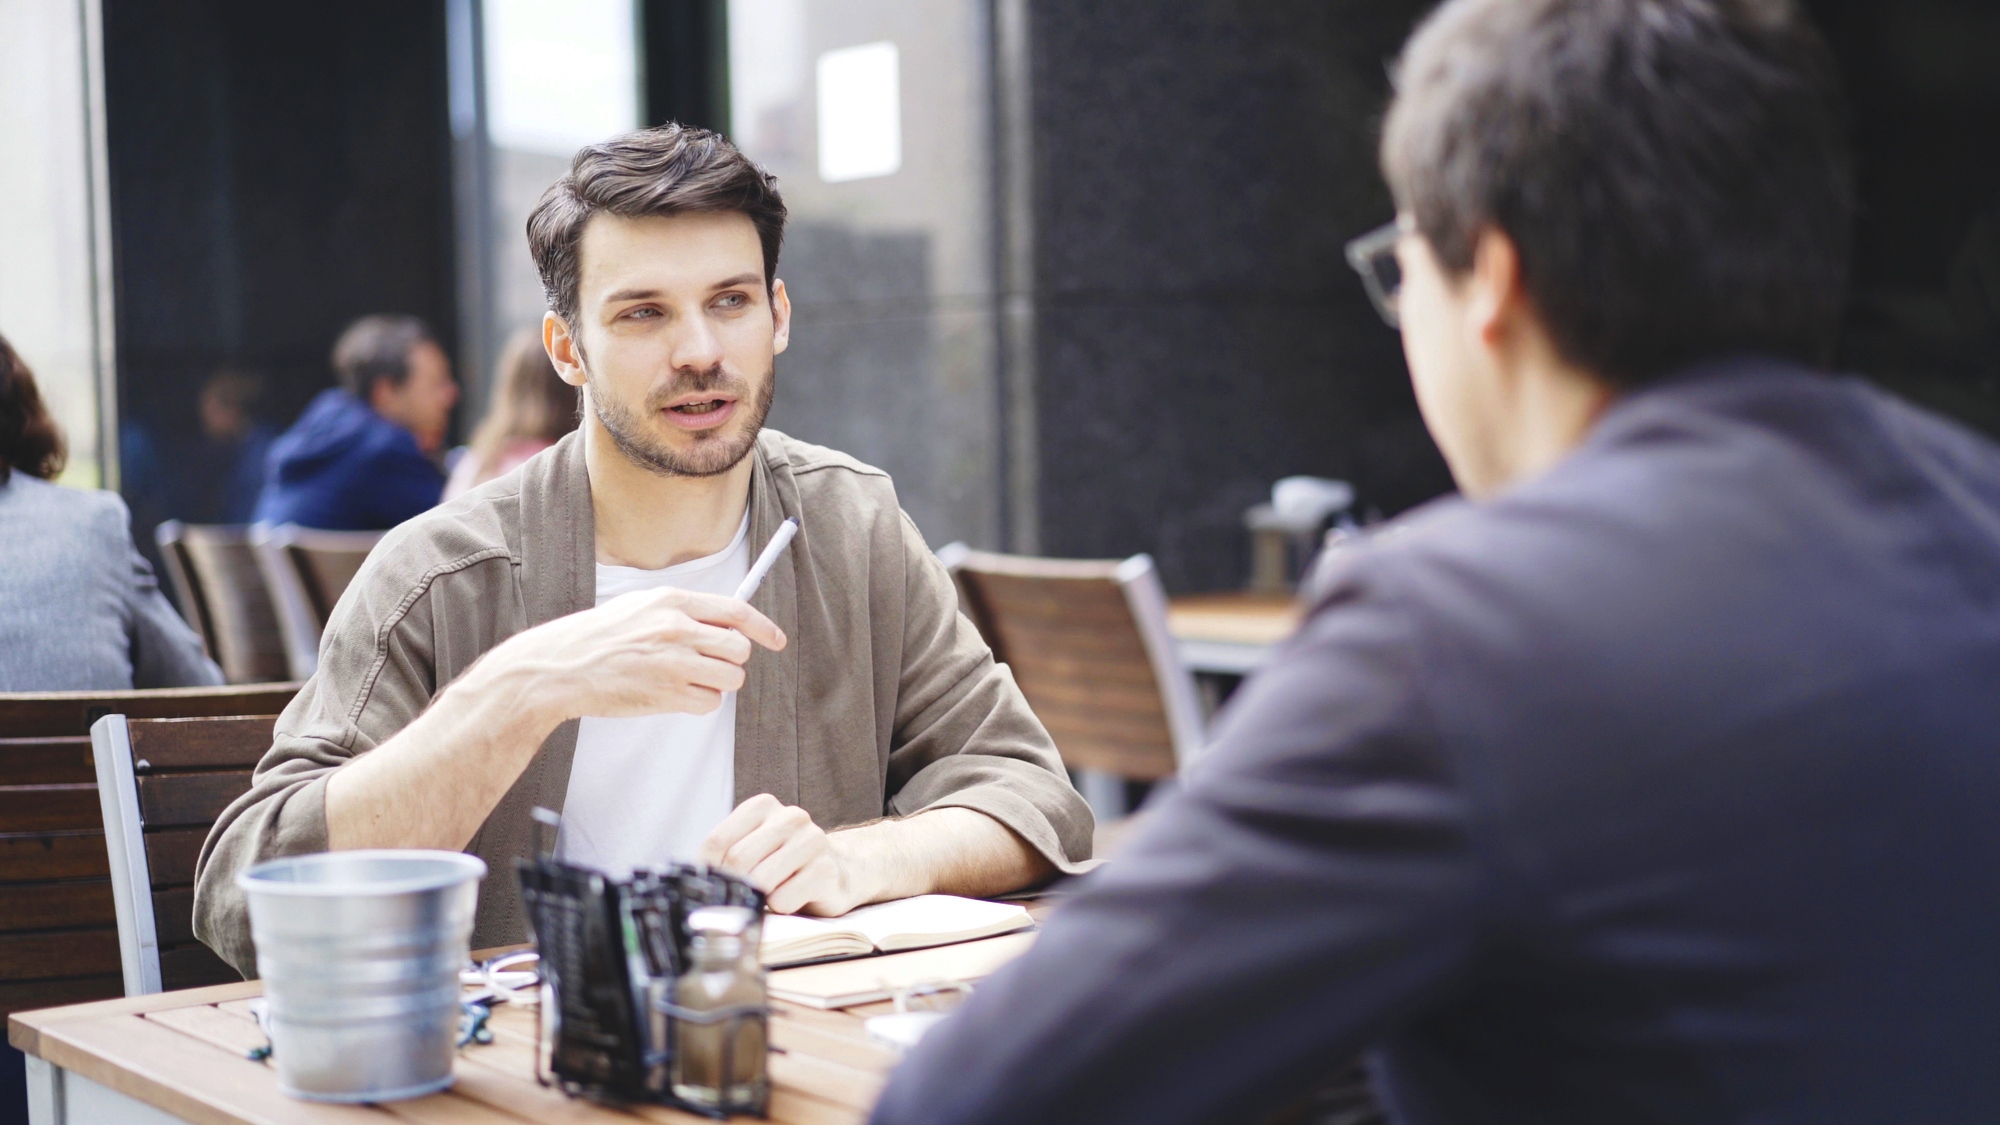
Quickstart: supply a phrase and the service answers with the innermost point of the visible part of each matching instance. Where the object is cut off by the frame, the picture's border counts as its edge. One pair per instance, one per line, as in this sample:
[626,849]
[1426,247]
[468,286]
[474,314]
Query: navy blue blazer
[1664,788]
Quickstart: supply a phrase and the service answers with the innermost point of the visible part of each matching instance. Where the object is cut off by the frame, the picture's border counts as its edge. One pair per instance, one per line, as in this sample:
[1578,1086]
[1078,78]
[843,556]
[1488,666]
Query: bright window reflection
[767,77]
[560,74]
[860,113]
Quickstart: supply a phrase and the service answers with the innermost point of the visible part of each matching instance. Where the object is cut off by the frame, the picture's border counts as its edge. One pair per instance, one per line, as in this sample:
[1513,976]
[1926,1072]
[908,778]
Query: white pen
[779,541]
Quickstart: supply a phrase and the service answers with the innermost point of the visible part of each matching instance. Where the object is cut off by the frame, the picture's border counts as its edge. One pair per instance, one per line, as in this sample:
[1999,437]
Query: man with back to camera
[359,458]
[1654,783]
[459,666]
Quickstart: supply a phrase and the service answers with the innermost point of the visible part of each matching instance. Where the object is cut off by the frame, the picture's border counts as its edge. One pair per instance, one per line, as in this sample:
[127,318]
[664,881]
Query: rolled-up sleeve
[375,676]
[964,734]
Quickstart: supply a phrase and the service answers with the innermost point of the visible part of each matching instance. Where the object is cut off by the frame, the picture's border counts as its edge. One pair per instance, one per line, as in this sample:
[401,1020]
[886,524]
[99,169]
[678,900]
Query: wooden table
[182,1057]
[1229,634]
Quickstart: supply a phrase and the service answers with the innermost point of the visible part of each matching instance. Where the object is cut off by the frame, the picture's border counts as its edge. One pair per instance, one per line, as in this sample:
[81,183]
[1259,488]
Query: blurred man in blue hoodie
[360,457]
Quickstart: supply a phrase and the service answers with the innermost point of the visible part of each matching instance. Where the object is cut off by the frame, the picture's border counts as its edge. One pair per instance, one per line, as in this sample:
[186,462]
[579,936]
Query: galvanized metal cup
[360,953]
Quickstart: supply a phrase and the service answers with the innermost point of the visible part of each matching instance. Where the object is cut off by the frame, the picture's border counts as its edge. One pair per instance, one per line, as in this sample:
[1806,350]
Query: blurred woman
[532,409]
[79,609]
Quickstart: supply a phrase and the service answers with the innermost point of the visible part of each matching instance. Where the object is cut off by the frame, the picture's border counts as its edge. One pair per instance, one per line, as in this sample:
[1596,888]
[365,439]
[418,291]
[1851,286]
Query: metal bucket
[360,953]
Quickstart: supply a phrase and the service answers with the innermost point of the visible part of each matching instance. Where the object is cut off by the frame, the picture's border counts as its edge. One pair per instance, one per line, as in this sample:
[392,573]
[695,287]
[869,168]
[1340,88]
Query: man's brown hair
[29,438]
[669,170]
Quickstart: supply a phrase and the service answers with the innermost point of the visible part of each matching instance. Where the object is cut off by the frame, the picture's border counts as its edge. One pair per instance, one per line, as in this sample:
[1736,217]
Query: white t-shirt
[649,789]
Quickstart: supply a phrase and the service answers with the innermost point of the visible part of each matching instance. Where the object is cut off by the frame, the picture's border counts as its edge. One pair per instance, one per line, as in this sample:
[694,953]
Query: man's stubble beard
[712,455]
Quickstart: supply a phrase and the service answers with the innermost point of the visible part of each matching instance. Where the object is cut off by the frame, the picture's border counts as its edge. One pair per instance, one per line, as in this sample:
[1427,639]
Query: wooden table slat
[238,1035]
[155,1064]
[795,1034]
[827,1080]
[24,1028]
[450,1108]
[495,1075]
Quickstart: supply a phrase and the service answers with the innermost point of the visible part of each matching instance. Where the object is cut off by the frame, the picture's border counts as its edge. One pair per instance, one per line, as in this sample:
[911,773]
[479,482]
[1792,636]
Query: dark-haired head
[30,440]
[377,349]
[668,170]
[1674,174]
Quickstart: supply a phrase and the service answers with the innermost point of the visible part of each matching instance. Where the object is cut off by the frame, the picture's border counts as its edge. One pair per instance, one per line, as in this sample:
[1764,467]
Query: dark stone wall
[1924,318]
[276,171]
[1199,167]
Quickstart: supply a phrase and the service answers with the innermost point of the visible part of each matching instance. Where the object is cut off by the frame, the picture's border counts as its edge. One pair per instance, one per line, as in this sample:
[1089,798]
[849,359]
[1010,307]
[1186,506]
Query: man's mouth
[700,412]
[696,409]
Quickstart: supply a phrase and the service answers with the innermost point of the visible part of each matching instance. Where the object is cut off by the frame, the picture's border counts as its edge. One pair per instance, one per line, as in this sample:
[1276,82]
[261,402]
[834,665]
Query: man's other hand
[779,849]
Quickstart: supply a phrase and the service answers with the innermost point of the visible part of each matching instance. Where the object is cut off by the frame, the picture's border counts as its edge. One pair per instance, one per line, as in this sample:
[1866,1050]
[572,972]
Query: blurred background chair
[1088,643]
[306,571]
[58,930]
[161,783]
[222,592]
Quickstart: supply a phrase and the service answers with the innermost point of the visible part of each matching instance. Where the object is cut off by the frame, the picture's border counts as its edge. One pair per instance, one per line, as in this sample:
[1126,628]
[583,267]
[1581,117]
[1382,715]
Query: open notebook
[843,984]
[906,923]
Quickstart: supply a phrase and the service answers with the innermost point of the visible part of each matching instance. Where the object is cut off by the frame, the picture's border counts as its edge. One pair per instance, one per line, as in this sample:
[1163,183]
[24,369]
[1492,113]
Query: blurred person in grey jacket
[79,608]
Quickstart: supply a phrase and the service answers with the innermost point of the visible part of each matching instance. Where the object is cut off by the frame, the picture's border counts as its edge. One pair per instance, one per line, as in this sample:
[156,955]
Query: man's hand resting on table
[803,869]
[433,784]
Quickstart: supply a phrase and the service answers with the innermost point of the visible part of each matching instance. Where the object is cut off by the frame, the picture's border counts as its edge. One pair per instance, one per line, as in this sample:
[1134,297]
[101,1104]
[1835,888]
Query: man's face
[1451,373]
[675,337]
[222,418]
[422,405]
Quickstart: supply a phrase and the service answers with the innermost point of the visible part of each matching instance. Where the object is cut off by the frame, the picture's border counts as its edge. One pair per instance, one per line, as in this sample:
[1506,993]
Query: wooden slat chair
[181,579]
[161,784]
[58,929]
[218,573]
[1088,643]
[307,570]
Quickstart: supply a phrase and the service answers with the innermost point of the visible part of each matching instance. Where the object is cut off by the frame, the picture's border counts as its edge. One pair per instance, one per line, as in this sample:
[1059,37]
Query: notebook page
[933,916]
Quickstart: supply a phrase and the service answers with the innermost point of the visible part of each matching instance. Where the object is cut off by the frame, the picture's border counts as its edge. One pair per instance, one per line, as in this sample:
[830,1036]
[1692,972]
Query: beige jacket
[885,702]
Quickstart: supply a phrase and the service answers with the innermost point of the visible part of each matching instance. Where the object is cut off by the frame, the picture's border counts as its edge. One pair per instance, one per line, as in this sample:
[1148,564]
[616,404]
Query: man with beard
[565,636]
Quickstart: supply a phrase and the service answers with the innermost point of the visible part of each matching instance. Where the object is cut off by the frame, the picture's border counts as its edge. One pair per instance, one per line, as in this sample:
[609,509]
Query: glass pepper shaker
[720,1024]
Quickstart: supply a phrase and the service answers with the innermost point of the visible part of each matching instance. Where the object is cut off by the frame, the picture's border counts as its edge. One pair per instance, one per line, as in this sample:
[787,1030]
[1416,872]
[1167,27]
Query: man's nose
[696,346]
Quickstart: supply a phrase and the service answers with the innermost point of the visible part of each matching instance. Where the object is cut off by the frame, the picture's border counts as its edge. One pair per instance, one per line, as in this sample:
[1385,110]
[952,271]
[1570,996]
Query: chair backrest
[1088,643]
[160,785]
[58,714]
[181,580]
[307,570]
[58,930]
[237,606]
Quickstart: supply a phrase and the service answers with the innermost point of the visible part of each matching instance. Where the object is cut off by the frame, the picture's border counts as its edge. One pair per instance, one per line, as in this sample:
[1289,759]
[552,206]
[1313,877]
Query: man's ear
[1495,290]
[563,349]
[781,317]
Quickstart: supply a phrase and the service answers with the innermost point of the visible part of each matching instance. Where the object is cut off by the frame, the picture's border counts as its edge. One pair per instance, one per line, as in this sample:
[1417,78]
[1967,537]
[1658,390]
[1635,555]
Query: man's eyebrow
[631,295]
[618,295]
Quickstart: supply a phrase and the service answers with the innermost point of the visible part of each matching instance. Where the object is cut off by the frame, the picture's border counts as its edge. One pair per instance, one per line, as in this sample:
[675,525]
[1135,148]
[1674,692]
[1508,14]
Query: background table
[1229,634]
[182,1057]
